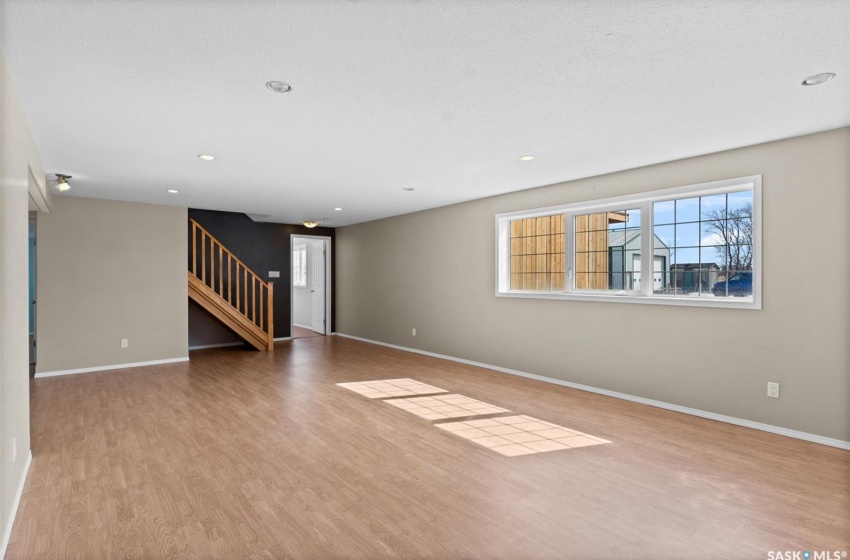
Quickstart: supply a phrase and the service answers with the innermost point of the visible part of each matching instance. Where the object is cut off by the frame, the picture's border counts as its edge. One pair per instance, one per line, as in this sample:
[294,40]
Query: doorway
[310,286]
[32,271]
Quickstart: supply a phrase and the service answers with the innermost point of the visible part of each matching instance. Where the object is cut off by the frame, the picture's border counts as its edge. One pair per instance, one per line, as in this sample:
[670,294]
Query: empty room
[424,279]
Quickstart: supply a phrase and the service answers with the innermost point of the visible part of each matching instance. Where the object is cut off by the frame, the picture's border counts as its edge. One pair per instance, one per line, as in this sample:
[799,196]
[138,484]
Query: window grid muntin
[537,254]
[595,240]
[682,278]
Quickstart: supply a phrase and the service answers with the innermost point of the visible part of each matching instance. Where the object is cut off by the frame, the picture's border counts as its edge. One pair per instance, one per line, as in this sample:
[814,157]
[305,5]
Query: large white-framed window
[695,245]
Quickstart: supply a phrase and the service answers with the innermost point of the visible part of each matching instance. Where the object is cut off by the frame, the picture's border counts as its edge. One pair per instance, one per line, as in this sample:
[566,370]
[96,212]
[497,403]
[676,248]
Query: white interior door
[317,284]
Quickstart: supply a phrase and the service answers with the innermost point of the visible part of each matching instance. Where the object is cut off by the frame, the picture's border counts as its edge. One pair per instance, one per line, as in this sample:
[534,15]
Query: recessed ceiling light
[818,79]
[278,87]
[408,189]
[206,157]
[526,158]
[338,209]
[172,191]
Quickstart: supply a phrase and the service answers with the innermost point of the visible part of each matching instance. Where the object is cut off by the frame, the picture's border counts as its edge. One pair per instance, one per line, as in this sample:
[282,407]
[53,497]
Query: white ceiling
[442,96]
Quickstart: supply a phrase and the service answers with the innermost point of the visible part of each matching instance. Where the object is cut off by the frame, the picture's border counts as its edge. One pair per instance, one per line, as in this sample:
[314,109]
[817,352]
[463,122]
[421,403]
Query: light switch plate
[274,274]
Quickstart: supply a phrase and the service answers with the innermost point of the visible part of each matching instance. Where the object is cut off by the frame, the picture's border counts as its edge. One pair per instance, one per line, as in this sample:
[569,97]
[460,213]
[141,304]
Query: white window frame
[296,250]
[644,201]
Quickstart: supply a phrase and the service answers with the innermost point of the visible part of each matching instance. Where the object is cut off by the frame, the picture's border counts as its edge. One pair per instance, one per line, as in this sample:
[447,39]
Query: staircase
[230,291]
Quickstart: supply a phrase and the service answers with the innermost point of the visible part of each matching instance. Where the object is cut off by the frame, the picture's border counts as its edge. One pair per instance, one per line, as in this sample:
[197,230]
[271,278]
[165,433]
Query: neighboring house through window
[695,245]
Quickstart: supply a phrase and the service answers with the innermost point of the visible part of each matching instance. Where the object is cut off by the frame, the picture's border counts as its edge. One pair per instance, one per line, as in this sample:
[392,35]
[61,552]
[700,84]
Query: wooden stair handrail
[227,251]
[250,288]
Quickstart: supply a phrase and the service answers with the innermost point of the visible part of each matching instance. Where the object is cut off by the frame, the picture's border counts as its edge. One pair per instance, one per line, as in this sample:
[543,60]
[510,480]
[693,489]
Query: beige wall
[110,270]
[434,270]
[18,158]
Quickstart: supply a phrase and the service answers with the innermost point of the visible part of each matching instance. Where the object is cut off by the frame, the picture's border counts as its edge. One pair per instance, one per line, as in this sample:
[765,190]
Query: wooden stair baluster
[220,275]
[203,257]
[194,249]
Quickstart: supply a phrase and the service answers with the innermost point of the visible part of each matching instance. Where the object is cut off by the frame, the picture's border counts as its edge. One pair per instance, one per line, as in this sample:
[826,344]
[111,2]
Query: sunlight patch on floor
[509,435]
[520,435]
[440,407]
[391,388]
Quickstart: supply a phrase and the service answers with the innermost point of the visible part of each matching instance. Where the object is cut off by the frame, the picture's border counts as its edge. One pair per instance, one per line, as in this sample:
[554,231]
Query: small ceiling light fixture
[310,224]
[278,86]
[526,158]
[408,189]
[818,79]
[206,157]
[338,209]
[62,182]
[172,191]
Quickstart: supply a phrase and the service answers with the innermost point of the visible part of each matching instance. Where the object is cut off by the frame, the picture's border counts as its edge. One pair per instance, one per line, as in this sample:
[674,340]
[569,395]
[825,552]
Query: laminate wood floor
[250,455]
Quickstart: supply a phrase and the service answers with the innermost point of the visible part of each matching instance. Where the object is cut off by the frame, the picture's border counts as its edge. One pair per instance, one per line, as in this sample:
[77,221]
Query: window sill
[732,303]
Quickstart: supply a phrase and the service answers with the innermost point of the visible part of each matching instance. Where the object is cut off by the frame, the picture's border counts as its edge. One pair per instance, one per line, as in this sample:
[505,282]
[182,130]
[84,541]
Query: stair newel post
[270,313]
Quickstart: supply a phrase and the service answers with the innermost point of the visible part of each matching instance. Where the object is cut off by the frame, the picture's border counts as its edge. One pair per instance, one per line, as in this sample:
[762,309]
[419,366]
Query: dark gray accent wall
[262,247]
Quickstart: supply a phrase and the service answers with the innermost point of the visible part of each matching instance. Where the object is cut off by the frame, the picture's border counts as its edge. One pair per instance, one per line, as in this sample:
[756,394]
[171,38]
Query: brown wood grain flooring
[254,455]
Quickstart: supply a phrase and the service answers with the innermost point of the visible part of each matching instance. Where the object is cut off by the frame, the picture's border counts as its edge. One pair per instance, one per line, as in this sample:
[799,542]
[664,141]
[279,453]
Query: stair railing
[223,272]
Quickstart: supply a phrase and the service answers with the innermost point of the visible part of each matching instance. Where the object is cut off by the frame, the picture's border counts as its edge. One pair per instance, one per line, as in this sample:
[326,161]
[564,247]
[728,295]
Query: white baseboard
[832,442]
[219,345]
[302,326]
[7,532]
[111,367]
[226,344]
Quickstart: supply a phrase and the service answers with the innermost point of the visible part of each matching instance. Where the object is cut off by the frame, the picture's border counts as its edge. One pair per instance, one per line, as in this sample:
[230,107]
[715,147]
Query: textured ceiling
[441,96]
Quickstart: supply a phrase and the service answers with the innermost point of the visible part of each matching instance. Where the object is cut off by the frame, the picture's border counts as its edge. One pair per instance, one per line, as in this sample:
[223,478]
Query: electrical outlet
[773,390]
[124,343]
[14,449]
[413,332]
